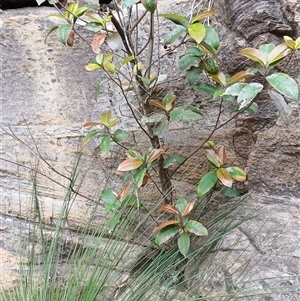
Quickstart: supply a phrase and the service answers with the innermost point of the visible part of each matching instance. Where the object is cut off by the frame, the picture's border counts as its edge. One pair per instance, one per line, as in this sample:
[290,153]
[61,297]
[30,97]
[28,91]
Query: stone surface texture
[46,95]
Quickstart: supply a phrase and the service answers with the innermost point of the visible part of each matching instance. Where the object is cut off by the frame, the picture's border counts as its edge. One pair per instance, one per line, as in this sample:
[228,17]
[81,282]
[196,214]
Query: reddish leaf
[157,103]
[122,195]
[203,15]
[222,155]
[188,208]
[169,208]
[166,224]
[130,164]
[225,177]
[156,154]
[97,41]
[238,77]
[91,123]
[70,39]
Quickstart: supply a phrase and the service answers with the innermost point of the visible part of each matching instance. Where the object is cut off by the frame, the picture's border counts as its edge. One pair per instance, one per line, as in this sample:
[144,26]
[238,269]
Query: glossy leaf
[238,77]
[203,15]
[80,11]
[134,154]
[186,112]
[222,154]
[92,67]
[237,173]
[196,228]
[230,192]
[213,157]
[189,207]
[278,53]
[90,135]
[105,144]
[206,88]
[124,192]
[63,32]
[139,177]
[224,176]
[219,78]
[128,3]
[165,234]
[169,208]
[193,74]
[195,51]
[166,224]
[266,49]
[155,154]
[90,123]
[173,159]
[284,84]
[157,103]
[212,38]
[150,5]
[181,204]
[184,243]
[254,55]
[290,42]
[174,34]
[97,41]
[207,182]
[187,61]
[248,93]
[114,41]
[235,89]
[160,129]
[120,135]
[197,31]
[177,19]
[168,101]
[93,26]
[130,164]
[210,144]
[252,109]
[109,197]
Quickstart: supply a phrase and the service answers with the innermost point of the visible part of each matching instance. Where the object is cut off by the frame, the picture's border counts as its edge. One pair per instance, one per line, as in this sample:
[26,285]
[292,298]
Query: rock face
[46,96]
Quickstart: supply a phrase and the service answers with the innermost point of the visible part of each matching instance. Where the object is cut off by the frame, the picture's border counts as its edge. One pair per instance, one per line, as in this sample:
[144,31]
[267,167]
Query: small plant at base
[181,227]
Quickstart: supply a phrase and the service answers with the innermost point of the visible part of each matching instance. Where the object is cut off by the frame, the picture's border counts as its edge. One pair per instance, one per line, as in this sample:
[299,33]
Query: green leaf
[206,88]
[180,205]
[230,192]
[80,11]
[160,129]
[193,74]
[109,197]
[284,84]
[237,173]
[218,93]
[120,135]
[105,144]
[92,66]
[177,19]
[196,228]
[114,220]
[39,2]
[194,51]
[248,93]
[165,234]
[207,182]
[212,38]
[128,3]
[93,26]
[184,243]
[235,89]
[139,177]
[91,134]
[186,112]
[197,31]
[187,61]
[49,32]
[266,48]
[173,35]
[63,32]
[281,105]
[252,110]
[173,159]
[150,5]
